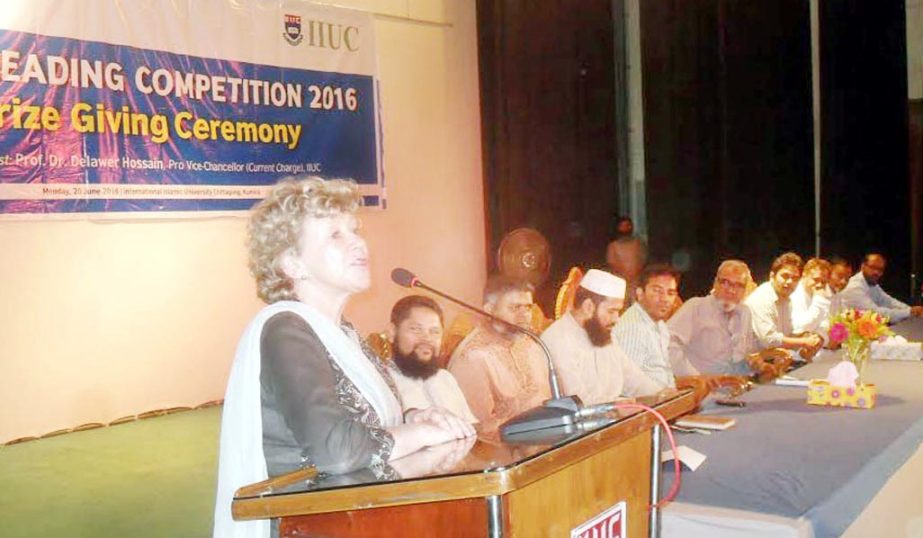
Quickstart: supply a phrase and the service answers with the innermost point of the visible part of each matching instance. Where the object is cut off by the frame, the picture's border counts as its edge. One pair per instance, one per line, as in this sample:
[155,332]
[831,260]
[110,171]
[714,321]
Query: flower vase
[858,354]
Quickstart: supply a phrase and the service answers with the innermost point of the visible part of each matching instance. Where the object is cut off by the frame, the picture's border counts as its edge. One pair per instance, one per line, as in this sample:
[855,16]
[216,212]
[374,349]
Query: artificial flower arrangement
[856,330]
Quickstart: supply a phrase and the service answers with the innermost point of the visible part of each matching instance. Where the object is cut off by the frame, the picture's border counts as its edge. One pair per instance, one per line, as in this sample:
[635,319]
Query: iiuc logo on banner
[293,29]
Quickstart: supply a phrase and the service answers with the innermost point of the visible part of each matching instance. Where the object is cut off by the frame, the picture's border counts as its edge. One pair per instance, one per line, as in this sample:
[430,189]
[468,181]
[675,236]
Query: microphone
[403,277]
[558,411]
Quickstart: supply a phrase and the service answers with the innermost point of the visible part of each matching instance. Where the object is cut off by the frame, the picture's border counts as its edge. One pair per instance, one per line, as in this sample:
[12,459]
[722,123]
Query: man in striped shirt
[643,334]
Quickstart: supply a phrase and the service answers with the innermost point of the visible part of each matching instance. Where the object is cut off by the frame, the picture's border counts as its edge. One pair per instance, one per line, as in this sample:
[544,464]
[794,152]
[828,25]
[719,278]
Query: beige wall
[102,320]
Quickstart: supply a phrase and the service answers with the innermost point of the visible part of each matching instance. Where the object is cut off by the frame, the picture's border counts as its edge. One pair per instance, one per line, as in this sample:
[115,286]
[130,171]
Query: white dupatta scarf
[241,460]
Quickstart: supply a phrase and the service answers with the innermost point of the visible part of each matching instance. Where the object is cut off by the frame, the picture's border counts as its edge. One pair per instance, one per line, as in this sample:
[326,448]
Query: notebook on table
[706,422]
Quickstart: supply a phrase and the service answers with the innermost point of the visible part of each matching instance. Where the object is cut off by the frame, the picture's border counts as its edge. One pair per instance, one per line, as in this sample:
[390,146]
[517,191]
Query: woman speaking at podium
[304,389]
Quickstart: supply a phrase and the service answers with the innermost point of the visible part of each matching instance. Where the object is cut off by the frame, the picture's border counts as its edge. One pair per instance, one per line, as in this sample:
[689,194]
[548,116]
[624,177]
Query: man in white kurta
[438,390]
[416,337]
[590,364]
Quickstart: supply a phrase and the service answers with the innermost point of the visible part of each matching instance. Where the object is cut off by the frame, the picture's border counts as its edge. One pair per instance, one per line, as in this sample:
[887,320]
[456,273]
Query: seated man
[840,271]
[771,309]
[589,363]
[643,334]
[416,336]
[501,372]
[864,293]
[810,300]
[713,333]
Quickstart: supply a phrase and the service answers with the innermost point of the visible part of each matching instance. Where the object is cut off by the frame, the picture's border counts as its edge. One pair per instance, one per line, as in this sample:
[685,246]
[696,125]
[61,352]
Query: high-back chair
[565,297]
[380,344]
[460,327]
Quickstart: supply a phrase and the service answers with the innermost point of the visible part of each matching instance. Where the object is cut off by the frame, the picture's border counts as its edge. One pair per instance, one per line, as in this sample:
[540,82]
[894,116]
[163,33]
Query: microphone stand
[556,412]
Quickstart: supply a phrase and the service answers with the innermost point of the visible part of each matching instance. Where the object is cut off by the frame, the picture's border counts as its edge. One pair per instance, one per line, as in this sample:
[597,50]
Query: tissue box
[907,351]
[820,392]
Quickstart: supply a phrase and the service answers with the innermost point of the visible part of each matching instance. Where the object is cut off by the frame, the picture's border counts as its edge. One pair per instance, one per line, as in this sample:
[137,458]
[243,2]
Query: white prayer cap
[603,283]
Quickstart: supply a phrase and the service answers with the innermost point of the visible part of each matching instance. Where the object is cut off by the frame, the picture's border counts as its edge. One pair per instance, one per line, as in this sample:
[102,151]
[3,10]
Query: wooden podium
[528,488]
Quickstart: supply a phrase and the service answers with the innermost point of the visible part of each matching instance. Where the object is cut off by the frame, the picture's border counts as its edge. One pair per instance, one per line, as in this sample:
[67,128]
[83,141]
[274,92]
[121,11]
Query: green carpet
[153,477]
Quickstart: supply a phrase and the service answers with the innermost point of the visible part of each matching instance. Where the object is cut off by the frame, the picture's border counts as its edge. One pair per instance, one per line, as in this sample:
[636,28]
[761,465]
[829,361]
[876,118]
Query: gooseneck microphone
[404,278]
[558,411]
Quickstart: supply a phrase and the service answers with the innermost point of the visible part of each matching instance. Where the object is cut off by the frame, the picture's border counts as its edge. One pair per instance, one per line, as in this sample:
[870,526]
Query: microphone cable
[677,467]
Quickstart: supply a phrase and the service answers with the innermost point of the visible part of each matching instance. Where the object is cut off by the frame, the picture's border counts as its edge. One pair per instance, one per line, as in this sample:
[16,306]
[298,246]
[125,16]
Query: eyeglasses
[736,286]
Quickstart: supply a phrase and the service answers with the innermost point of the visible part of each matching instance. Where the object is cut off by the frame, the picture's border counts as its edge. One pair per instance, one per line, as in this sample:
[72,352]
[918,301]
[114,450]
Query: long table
[790,469]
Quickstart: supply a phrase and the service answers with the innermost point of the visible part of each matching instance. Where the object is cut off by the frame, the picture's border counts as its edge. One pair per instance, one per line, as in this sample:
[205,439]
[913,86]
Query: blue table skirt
[788,458]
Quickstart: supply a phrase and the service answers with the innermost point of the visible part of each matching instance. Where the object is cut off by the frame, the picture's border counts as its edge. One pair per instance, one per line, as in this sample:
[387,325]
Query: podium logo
[292,32]
[608,524]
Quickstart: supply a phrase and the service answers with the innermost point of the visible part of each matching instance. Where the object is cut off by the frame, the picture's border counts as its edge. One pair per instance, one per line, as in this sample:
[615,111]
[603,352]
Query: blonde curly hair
[275,226]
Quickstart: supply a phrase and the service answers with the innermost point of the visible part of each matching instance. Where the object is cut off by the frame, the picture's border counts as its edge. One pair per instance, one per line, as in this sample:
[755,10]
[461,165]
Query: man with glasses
[713,333]
[501,372]
[864,292]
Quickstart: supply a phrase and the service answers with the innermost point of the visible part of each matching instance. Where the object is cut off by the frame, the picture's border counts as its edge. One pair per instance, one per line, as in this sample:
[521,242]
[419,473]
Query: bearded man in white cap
[589,363]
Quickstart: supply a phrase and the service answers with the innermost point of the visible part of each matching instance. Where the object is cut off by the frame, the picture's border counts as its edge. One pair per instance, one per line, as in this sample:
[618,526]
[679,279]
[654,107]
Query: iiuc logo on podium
[608,524]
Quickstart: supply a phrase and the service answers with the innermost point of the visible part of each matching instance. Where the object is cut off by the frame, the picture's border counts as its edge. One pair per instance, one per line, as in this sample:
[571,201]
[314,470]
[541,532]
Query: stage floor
[150,478]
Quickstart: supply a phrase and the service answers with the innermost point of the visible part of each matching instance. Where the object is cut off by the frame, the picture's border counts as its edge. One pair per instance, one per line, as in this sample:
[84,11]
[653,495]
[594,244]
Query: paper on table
[790,381]
[687,456]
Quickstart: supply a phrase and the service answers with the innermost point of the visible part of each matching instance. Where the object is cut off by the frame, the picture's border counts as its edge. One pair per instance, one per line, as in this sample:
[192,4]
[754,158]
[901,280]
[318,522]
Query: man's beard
[411,366]
[600,336]
[727,307]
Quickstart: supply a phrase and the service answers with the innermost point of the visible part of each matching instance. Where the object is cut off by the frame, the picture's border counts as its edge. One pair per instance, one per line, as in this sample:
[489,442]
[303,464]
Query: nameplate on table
[608,524]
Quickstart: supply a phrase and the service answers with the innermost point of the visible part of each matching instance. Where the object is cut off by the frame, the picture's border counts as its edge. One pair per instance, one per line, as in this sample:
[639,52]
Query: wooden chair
[380,344]
[539,321]
[565,297]
[460,327]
